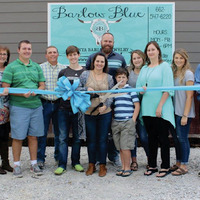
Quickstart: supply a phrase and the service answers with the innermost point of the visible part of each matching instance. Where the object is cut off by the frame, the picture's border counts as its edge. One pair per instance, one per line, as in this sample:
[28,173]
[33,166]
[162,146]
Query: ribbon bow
[78,100]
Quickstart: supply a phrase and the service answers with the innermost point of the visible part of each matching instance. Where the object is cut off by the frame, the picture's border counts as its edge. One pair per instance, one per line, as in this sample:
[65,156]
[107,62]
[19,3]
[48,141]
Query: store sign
[132,24]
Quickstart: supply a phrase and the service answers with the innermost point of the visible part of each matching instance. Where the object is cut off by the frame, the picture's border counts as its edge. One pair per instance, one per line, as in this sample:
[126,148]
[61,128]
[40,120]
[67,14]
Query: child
[66,118]
[126,110]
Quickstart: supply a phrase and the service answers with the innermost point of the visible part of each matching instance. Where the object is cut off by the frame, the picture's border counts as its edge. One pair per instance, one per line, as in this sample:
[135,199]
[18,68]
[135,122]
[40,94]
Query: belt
[50,101]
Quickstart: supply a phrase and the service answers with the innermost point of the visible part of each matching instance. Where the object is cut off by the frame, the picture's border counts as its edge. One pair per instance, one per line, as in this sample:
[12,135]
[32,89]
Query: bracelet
[185,116]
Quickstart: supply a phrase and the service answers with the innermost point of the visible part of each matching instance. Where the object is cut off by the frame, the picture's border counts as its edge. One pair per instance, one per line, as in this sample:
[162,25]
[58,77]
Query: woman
[157,108]
[137,62]
[98,121]
[183,105]
[4,115]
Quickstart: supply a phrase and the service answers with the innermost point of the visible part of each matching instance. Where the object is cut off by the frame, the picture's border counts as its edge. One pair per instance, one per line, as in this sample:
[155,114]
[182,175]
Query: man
[50,103]
[115,61]
[26,117]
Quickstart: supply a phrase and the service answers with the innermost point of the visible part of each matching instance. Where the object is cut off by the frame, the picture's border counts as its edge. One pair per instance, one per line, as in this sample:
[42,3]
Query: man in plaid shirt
[51,69]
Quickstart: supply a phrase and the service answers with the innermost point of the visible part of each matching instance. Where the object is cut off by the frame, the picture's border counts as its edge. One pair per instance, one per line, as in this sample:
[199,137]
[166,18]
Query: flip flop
[173,168]
[152,171]
[126,173]
[179,171]
[134,166]
[119,172]
[165,173]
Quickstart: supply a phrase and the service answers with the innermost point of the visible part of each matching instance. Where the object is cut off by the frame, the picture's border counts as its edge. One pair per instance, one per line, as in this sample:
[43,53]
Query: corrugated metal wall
[26,19]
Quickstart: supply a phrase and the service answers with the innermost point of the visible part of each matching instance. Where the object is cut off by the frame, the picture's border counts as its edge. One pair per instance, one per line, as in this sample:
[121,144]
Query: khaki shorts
[124,134]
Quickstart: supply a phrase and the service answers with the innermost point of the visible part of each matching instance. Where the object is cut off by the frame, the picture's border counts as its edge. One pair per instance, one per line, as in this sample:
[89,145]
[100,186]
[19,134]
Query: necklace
[148,75]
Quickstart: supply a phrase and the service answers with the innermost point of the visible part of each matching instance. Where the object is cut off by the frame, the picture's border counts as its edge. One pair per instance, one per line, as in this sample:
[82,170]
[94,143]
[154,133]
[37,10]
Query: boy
[66,118]
[126,110]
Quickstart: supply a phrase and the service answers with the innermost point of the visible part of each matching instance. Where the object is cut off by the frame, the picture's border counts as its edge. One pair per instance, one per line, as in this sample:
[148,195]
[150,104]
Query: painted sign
[132,24]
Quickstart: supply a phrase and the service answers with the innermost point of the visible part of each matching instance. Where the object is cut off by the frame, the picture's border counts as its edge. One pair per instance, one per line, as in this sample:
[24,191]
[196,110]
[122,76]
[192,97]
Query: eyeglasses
[3,54]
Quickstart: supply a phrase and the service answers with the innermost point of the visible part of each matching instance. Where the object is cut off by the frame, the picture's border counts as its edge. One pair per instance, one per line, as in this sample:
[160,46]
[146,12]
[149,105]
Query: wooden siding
[26,19]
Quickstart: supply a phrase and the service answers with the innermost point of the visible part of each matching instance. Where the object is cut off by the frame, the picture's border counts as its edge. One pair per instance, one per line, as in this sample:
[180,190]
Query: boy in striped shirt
[126,110]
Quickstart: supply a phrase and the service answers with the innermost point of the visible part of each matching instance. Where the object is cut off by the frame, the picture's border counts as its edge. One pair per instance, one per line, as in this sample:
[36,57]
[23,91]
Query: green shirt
[19,75]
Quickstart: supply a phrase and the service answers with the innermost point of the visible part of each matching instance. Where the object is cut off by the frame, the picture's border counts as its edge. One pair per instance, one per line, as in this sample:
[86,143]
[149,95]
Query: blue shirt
[124,105]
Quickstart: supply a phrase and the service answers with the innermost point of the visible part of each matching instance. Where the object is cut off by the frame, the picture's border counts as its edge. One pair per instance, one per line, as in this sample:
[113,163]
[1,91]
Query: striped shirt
[19,75]
[124,105]
[51,75]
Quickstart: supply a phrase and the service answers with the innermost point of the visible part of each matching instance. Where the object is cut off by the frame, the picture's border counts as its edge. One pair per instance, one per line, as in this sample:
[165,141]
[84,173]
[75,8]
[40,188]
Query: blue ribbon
[80,100]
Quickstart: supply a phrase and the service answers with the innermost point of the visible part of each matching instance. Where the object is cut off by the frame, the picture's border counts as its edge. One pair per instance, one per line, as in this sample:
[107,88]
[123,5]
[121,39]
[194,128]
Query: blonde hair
[185,67]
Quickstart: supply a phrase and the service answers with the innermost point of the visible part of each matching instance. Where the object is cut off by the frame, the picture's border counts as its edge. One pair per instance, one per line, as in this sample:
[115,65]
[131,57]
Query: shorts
[124,134]
[26,122]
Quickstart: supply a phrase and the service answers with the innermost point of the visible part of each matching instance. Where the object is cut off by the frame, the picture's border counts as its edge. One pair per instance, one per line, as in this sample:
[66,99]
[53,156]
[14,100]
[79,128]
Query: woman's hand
[145,88]
[184,120]
[159,111]
[102,109]
[90,89]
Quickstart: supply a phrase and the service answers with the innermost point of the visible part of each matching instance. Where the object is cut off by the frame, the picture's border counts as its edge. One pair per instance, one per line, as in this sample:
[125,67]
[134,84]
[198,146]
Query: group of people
[150,115]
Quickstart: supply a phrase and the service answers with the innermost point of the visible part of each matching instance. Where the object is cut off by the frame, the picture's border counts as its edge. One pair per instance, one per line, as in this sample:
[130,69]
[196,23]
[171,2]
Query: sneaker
[17,172]
[59,171]
[78,168]
[97,164]
[117,163]
[36,170]
[41,165]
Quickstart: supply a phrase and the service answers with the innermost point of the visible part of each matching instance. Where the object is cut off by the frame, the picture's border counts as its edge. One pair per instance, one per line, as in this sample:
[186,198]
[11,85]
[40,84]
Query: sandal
[164,172]
[173,168]
[134,166]
[119,172]
[126,173]
[151,170]
[179,171]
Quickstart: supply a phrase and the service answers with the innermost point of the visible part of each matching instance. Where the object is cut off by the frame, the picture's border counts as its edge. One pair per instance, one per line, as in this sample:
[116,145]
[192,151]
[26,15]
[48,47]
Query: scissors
[103,98]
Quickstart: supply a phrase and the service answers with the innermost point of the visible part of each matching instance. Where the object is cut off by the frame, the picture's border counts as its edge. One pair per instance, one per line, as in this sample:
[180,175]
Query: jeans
[182,134]
[113,153]
[50,111]
[97,128]
[66,120]
[158,131]
[176,143]
[141,131]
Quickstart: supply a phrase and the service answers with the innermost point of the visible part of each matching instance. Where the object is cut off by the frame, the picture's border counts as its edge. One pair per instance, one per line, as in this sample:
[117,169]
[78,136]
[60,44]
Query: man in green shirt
[26,116]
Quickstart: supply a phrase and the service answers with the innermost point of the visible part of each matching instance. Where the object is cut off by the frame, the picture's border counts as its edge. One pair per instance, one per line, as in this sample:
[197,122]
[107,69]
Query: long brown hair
[160,60]
[105,69]
[185,67]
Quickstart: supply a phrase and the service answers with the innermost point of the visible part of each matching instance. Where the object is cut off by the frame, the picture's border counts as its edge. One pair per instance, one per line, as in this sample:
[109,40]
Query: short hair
[108,33]
[8,54]
[121,71]
[50,47]
[158,48]
[72,49]
[23,41]
[105,69]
